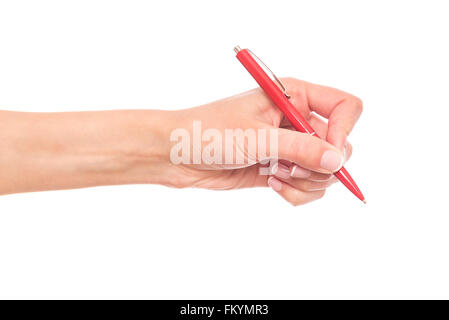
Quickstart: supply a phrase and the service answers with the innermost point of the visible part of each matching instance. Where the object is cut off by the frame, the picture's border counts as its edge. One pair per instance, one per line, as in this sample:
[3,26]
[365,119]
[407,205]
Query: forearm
[48,151]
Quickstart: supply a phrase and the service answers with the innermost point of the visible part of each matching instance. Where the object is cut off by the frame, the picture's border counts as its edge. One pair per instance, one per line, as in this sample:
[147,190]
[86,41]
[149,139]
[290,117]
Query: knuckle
[297,198]
[289,80]
[321,194]
[295,86]
[296,202]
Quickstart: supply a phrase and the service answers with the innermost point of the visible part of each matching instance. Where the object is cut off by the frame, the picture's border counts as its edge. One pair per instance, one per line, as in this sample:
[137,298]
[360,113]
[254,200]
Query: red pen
[279,96]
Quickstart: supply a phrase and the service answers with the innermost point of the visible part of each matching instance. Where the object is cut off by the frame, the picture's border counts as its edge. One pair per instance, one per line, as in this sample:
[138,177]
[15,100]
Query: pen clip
[276,79]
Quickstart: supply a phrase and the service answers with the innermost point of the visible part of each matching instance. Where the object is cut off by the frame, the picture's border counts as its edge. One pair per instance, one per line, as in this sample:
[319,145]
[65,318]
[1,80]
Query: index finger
[340,108]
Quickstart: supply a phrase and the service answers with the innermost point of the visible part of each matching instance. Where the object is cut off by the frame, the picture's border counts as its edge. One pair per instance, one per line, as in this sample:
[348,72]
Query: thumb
[308,151]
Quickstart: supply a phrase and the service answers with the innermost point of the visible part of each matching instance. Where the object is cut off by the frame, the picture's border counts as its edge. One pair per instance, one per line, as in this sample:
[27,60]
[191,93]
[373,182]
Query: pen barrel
[274,92]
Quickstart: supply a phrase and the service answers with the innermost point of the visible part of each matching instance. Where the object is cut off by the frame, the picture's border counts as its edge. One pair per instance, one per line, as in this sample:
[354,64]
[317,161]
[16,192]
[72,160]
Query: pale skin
[51,151]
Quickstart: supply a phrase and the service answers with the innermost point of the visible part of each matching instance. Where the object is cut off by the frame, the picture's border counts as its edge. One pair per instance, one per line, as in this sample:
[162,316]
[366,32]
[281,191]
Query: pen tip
[364,201]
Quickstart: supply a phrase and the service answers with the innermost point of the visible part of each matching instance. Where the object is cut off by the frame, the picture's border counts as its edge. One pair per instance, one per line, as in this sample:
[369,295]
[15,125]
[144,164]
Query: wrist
[143,150]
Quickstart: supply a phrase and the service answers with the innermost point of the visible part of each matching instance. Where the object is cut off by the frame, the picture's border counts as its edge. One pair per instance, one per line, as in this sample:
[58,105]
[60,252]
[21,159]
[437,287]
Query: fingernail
[280,171]
[298,172]
[331,160]
[275,184]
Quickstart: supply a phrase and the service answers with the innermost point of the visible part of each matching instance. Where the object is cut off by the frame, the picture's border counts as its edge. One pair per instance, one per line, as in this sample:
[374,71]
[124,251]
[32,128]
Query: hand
[65,150]
[306,162]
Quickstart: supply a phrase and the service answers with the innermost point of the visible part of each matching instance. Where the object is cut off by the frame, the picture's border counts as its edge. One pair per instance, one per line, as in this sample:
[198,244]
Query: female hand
[305,162]
[63,150]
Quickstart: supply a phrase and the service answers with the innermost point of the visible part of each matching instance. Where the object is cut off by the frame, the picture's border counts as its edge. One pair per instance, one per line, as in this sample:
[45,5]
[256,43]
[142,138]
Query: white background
[155,242]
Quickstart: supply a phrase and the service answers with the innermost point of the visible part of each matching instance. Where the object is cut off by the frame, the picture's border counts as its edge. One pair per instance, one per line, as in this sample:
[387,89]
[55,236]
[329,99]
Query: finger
[320,126]
[286,169]
[340,108]
[296,171]
[294,196]
[281,170]
[308,151]
[347,151]
[309,185]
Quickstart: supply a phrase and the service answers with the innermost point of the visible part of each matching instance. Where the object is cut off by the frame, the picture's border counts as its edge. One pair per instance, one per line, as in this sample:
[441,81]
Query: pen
[278,94]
